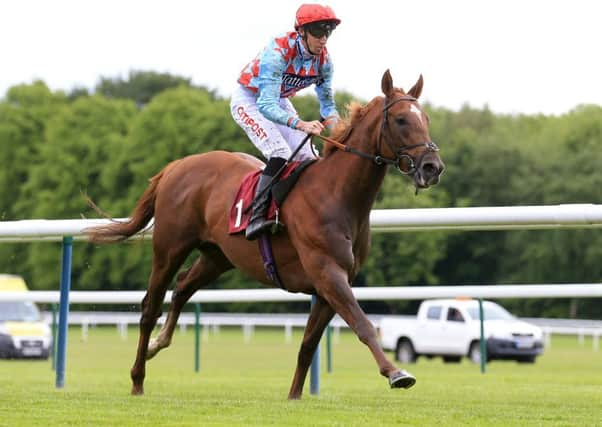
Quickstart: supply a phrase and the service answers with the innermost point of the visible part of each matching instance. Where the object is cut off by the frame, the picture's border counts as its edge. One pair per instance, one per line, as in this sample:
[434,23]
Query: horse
[327,235]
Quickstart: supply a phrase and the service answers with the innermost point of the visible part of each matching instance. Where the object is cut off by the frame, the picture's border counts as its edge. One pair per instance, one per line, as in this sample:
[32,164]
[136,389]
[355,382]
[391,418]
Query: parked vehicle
[450,328]
[23,334]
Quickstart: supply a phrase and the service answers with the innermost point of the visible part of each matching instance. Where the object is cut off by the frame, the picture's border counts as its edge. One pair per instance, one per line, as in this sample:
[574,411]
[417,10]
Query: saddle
[240,214]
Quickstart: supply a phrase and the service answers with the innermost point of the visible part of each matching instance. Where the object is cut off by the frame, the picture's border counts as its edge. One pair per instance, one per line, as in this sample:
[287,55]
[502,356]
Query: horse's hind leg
[321,313]
[163,270]
[207,267]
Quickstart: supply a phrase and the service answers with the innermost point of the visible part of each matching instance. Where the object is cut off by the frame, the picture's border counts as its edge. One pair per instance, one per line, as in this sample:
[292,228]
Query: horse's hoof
[137,391]
[402,379]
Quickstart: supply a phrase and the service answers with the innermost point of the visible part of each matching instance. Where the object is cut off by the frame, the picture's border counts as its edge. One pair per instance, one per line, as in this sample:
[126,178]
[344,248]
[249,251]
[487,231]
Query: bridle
[400,154]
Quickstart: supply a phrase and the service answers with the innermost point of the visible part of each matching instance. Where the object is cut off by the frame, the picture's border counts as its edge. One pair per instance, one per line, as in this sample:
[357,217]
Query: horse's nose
[431,170]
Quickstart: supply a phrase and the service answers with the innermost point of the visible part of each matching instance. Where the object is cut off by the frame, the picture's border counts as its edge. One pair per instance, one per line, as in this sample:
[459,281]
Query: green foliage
[24,118]
[177,123]
[140,86]
[79,141]
[107,144]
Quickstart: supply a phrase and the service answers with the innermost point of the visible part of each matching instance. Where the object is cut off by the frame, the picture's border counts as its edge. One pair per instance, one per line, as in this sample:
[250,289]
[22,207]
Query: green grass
[247,384]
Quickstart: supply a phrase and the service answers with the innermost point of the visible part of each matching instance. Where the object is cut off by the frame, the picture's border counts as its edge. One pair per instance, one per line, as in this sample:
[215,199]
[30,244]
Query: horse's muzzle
[429,171]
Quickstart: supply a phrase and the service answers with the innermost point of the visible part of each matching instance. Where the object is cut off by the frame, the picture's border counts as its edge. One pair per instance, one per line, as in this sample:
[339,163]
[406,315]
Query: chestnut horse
[327,233]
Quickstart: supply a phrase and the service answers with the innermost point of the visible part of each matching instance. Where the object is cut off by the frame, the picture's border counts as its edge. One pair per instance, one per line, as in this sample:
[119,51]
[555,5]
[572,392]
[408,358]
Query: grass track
[247,384]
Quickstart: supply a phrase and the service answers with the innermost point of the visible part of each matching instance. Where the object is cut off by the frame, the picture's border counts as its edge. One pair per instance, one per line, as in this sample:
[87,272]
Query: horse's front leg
[333,286]
[321,313]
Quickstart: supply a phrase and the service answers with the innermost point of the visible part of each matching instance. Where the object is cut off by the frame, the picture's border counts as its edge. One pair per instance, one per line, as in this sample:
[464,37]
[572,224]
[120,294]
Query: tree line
[105,143]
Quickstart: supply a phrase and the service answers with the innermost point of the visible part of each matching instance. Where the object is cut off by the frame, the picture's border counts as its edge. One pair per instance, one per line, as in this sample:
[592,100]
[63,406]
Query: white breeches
[272,139]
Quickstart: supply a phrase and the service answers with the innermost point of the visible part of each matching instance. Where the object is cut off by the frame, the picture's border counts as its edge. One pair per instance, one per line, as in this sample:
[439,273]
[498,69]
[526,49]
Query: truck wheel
[474,354]
[526,359]
[405,352]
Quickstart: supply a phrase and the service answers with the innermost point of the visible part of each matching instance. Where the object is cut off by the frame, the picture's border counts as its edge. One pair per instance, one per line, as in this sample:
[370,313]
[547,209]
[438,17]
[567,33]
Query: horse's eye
[401,121]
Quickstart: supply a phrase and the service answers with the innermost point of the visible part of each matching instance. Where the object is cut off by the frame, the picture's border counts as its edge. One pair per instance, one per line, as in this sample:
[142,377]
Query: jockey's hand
[330,122]
[314,127]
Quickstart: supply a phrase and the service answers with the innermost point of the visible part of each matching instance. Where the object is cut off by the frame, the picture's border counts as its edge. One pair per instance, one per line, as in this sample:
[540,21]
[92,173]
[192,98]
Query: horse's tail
[142,214]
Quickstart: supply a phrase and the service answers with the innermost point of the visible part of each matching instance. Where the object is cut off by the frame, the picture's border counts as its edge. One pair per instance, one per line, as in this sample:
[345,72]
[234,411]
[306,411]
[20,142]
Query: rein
[399,155]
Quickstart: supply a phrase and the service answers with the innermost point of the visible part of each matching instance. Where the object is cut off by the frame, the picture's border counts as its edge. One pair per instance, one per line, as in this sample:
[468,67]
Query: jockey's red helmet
[308,13]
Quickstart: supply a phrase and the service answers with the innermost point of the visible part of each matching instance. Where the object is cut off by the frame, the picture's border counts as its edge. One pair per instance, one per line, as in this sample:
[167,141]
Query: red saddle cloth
[239,220]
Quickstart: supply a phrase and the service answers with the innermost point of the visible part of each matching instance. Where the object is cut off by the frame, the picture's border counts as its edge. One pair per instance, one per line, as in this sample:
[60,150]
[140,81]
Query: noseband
[401,154]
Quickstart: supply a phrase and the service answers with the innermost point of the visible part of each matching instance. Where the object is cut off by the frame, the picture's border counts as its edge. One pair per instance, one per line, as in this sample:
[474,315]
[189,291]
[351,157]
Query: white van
[23,333]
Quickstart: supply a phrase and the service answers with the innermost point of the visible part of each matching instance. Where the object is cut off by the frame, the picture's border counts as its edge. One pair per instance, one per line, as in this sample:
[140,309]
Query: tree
[570,175]
[140,86]
[24,117]
[80,141]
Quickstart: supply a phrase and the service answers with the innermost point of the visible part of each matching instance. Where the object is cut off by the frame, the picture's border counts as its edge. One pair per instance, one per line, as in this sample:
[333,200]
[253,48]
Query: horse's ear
[417,88]
[387,83]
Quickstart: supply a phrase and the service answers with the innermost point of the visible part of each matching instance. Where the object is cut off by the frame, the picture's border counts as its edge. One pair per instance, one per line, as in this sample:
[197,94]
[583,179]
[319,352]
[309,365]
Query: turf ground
[247,384]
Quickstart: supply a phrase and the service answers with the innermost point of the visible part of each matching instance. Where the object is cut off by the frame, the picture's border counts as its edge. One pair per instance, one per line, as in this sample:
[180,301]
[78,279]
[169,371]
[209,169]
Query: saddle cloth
[239,220]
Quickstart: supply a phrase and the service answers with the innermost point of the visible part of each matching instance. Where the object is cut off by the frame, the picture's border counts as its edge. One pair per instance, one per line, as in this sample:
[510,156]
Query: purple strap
[265,249]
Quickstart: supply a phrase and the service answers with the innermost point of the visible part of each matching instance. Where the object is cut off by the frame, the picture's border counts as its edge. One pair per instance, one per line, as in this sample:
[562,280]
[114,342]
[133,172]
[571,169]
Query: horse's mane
[355,112]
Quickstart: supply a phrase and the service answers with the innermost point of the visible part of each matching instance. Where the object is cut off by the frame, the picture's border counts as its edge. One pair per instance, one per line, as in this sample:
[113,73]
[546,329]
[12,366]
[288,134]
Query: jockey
[260,103]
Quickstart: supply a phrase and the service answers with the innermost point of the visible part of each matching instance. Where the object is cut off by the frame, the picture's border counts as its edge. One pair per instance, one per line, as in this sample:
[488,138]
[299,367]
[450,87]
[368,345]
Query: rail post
[482,342]
[197,337]
[314,378]
[64,311]
[329,348]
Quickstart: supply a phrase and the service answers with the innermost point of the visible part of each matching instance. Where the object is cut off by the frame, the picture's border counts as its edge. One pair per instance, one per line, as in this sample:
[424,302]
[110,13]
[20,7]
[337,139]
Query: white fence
[213,321]
[576,290]
[550,326]
[385,220]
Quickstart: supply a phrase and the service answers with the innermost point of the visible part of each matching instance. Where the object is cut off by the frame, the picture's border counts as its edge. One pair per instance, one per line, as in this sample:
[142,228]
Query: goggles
[320,29]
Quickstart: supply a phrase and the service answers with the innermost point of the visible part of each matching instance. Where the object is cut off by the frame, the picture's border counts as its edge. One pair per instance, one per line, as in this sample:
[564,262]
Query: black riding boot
[258,223]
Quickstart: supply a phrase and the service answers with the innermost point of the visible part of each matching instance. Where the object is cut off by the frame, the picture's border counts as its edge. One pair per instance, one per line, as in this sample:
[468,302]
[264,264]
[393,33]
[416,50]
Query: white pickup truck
[451,328]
